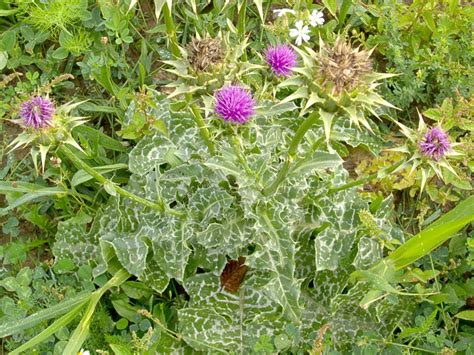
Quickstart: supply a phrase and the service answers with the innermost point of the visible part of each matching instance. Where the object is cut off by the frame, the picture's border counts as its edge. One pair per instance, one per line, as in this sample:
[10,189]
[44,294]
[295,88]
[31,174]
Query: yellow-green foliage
[76,42]
[398,181]
[52,15]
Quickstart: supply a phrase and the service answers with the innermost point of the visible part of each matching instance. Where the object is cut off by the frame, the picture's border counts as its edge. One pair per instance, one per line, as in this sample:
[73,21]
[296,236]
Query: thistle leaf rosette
[340,81]
[207,63]
[429,150]
[45,126]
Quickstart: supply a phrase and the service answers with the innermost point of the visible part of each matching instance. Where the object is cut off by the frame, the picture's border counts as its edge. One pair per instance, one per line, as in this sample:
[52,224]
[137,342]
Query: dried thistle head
[343,66]
[8,79]
[205,53]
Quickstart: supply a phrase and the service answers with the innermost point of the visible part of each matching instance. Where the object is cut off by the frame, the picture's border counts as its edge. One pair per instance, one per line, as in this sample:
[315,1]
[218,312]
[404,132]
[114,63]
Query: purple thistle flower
[37,112]
[234,104]
[435,143]
[281,59]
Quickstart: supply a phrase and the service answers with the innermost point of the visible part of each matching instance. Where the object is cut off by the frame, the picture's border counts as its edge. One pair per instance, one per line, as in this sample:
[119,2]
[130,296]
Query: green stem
[171,31]
[267,8]
[367,178]
[96,175]
[408,347]
[292,151]
[241,24]
[238,153]
[241,20]
[297,5]
[196,111]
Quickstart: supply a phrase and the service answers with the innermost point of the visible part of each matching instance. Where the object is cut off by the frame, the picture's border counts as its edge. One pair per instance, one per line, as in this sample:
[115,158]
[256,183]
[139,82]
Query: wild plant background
[249,176]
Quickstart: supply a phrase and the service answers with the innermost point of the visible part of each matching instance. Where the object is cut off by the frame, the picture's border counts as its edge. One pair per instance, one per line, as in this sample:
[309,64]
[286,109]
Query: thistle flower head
[234,104]
[37,112]
[343,65]
[205,53]
[435,143]
[281,59]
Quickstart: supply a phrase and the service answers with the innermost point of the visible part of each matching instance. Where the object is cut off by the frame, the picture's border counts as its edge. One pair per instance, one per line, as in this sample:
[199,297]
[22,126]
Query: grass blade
[53,328]
[433,236]
[82,331]
[16,326]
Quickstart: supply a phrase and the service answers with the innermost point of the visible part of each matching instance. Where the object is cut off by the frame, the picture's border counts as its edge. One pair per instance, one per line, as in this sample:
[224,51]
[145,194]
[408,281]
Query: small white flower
[300,32]
[281,12]
[316,18]
[84,352]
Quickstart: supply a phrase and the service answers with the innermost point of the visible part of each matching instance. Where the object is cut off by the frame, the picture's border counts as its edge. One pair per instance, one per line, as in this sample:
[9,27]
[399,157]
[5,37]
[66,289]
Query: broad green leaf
[120,349]
[275,253]
[301,92]
[171,246]
[60,53]
[348,319]
[152,151]
[316,161]
[154,277]
[206,330]
[228,236]
[369,251]
[76,242]
[335,242]
[130,249]
[218,321]
[345,7]
[328,284]
[210,203]
[375,280]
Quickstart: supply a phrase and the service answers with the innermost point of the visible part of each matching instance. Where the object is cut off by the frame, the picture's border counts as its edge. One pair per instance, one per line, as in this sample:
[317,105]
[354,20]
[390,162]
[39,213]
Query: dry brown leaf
[233,274]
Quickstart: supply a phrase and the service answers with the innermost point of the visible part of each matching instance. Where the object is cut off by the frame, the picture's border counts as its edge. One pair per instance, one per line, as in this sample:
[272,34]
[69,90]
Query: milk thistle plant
[207,63]
[237,227]
[429,151]
[45,126]
[339,82]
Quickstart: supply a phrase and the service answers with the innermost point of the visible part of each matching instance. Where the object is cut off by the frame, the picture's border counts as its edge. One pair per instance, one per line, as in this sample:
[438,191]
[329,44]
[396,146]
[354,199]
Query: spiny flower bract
[234,104]
[281,59]
[37,112]
[344,66]
[205,53]
[435,143]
